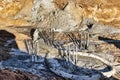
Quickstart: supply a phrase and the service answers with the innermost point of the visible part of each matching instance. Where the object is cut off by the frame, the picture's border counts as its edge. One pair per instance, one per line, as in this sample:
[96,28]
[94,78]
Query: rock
[47,15]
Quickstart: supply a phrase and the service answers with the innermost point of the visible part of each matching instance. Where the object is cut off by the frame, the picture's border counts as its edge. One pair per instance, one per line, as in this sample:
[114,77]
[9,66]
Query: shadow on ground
[110,41]
[7,41]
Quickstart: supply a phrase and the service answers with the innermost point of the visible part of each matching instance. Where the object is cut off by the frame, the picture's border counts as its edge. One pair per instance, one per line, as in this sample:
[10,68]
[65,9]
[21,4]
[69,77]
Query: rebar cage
[76,41]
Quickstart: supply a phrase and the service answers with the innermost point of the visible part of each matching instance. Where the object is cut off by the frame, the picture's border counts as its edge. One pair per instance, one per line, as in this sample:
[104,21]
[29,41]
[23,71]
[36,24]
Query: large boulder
[47,15]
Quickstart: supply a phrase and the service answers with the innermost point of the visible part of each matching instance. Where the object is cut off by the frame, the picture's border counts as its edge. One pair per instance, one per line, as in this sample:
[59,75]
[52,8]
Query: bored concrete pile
[74,53]
[65,36]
